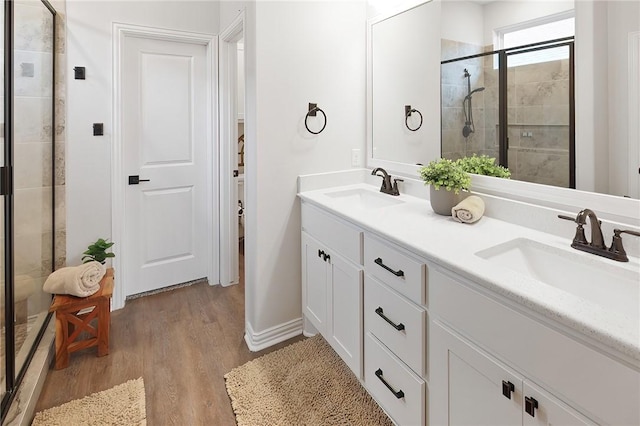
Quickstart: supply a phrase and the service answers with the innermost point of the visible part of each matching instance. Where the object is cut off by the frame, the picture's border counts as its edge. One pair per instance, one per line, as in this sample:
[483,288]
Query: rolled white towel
[469,210]
[80,281]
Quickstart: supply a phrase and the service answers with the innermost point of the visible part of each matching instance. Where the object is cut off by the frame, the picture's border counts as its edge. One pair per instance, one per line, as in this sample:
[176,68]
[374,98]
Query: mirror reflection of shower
[469,127]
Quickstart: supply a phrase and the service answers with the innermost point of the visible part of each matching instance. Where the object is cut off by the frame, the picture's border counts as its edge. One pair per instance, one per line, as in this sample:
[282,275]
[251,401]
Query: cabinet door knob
[507,389]
[530,405]
[398,394]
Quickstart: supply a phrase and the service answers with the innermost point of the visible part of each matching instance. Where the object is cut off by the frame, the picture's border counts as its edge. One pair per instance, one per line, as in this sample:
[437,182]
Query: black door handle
[398,273]
[398,394]
[135,179]
[380,312]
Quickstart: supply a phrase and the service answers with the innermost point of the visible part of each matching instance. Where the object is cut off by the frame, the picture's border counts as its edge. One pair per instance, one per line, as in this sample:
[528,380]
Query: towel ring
[313,108]
[407,113]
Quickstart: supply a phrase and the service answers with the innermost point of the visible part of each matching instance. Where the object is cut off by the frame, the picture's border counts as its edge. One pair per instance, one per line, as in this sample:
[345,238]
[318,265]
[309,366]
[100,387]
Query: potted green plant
[483,165]
[448,175]
[98,252]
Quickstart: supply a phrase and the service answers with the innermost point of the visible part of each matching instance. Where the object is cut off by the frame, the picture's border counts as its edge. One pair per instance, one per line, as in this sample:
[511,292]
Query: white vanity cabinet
[481,390]
[480,346]
[332,282]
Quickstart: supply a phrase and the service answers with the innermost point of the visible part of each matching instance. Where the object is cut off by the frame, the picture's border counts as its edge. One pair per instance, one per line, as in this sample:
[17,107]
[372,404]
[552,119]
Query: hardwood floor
[181,342]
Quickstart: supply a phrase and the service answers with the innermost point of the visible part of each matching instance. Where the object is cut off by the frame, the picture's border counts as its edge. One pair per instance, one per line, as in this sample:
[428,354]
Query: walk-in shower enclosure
[27,185]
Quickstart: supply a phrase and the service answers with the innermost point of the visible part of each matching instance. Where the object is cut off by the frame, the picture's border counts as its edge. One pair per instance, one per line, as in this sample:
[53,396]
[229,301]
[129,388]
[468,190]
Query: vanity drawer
[395,268]
[407,405]
[408,343]
[336,234]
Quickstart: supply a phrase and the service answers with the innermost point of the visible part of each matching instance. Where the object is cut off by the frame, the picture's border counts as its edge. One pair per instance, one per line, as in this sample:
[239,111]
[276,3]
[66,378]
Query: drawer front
[405,397]
[396,322]
[336,234]
[395,268]
[583,377]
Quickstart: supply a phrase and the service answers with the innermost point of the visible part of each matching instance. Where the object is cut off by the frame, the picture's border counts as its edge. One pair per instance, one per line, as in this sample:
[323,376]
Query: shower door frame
[503,54]
[13,380]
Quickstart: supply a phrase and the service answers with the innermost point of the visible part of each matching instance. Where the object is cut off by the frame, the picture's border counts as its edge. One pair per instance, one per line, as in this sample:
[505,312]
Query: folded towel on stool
[80,281]
[468,210]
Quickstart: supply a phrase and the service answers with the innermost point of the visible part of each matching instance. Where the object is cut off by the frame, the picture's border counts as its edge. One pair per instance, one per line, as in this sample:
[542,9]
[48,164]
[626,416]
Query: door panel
[345,325]
[550,411]
[166,115]
[165,136]
[314,283]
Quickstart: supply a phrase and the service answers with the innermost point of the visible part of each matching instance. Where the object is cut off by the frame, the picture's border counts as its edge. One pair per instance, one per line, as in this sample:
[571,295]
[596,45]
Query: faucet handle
[579,238]
[395,190]
[572,219]
[616,245]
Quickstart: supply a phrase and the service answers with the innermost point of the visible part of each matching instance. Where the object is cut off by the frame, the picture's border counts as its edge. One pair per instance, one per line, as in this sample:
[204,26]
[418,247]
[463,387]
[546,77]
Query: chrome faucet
[387,187]
[597,245]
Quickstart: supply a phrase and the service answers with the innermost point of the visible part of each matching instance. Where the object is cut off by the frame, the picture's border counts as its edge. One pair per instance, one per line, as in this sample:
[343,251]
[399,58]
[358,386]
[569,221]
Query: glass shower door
[33,171]
[540,130]
[469,110]
[3,328]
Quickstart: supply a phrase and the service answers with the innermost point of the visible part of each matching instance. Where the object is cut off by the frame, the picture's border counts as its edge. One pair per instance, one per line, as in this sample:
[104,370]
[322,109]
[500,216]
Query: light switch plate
[356,158]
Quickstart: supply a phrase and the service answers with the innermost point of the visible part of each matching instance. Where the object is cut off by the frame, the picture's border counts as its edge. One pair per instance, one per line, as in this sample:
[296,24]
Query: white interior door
[164,142]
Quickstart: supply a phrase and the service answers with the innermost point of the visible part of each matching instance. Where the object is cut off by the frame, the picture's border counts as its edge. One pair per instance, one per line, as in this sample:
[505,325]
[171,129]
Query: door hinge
[6,184]
[235,173]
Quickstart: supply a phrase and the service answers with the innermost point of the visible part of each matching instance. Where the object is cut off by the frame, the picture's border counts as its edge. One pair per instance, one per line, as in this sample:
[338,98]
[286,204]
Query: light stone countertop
[453,245]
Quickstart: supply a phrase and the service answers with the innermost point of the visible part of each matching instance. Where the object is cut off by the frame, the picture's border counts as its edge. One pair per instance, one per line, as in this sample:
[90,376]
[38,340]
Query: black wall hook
[407,113]
[313,109]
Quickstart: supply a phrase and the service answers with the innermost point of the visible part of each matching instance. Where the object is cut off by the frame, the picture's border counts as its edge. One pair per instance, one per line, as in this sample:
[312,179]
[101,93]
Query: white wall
[301,52]
[463,21]
[623,19]
[88,160]
[405,74]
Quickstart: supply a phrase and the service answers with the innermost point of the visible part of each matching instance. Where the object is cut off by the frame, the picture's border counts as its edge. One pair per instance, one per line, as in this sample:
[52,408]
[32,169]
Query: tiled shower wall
[454,89]
[538,99]
[538,108]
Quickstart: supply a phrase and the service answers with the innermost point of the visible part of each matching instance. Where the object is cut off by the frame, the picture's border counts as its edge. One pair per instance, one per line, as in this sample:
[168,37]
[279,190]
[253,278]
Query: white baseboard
[271,336]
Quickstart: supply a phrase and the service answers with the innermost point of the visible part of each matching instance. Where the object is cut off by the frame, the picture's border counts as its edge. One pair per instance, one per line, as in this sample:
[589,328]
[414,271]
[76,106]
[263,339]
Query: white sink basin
[364,198]
[615,288]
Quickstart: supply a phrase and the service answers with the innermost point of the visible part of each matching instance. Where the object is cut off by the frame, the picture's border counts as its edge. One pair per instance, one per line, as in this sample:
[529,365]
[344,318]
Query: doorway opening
[232,153]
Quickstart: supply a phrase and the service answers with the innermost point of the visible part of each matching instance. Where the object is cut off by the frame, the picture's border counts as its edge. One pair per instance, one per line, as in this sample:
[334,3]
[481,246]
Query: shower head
[479,89]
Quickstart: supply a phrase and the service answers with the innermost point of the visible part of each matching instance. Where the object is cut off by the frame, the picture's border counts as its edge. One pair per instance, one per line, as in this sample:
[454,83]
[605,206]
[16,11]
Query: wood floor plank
[181,342]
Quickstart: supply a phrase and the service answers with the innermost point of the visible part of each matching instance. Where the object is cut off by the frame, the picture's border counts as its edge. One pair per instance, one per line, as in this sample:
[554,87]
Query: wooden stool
[70,321]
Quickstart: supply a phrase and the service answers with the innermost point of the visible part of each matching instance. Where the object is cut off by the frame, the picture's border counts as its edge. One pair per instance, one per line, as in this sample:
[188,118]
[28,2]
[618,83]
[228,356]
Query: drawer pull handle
[530,405]
[507,389]
[398,273]
[399,394]
[380,312]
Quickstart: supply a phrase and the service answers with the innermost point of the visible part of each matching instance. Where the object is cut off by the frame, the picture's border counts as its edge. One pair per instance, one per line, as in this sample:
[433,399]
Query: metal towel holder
[313,109]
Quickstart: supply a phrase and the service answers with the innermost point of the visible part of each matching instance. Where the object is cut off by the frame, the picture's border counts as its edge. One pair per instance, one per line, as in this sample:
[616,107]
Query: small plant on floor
[483,165]
[446,174]
[98,252]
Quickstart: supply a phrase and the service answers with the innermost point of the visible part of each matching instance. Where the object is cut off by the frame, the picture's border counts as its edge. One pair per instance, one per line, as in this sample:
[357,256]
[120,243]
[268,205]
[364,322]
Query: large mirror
[607,157]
